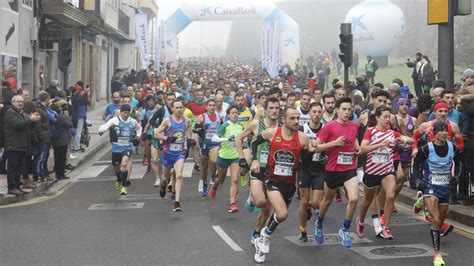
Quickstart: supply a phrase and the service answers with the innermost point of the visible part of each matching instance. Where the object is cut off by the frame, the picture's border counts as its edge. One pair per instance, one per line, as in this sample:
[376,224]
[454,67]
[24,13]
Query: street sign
[438,11]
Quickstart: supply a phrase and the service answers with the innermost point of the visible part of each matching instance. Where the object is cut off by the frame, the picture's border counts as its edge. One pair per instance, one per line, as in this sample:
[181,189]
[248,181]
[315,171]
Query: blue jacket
[79,102]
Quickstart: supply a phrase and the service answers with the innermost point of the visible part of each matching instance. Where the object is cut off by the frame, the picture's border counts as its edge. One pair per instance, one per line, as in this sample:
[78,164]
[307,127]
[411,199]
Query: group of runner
[314,145]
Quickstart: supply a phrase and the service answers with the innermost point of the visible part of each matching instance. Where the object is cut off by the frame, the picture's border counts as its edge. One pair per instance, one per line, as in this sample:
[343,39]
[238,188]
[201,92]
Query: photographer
[415,74]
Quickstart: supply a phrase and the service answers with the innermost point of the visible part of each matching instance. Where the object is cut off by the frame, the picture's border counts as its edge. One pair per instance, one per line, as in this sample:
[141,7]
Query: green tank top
[263,149]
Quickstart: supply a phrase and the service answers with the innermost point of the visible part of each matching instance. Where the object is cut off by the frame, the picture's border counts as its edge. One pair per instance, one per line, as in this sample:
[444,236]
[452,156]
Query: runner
[257,200]
[378,144]
[123,129]
[439,154]
[287,145]
[339,139]
[311,175]
[228,156]
[147,112]
[304,109]
[174,132]
[206,127]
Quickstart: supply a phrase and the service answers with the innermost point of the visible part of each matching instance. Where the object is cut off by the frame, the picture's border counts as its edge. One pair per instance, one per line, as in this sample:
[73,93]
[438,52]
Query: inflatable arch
[280,33]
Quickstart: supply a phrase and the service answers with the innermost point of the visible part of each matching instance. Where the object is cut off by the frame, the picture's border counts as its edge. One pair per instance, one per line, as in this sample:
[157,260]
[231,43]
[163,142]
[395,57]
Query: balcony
[149,7]
[124,23]
[95,9]
[65,13]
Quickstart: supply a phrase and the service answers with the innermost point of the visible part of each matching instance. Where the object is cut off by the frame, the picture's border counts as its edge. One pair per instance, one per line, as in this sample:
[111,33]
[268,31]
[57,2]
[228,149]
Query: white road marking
[92,171]
[109,162]
[226,238]
[188,169]
[138,171]
[117,206]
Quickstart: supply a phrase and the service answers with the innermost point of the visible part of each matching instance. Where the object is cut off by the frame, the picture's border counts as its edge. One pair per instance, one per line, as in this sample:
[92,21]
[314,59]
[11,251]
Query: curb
[6,199]
[459,213]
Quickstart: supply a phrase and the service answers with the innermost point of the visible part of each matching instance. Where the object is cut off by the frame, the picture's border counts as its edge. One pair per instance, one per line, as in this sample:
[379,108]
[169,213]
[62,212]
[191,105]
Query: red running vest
[284,158]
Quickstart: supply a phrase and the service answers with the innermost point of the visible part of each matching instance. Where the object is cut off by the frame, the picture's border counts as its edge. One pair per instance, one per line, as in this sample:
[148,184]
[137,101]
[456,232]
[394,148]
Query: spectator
[30,108]
[370,68]
[414,74]
[426,75]
[52,89]
[79,99]
[394,90]
[116,84]
[62,138]
[17,142]
[360,85]
[199,105]
[311,83]
[41,157]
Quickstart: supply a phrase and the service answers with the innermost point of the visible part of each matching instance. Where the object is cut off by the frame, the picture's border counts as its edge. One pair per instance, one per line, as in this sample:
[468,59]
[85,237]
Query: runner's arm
[107,125]
[458,137]
[242,135]
[162,128]
[266,135]
[138,129]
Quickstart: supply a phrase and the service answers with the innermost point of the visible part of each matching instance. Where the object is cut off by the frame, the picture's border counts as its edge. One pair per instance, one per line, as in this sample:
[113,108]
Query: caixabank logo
[224,11]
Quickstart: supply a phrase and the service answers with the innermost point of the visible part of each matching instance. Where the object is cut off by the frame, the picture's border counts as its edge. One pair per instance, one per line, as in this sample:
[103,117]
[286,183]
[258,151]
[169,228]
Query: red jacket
[197,108]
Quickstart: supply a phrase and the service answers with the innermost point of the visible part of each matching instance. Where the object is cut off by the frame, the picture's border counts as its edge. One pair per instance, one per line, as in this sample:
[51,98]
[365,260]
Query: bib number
[317,157]
[283,169]
[440,178]
[175,147]
[345,158]
[232,145]
[123,140]
[209,135]
[264,157]
[380,157]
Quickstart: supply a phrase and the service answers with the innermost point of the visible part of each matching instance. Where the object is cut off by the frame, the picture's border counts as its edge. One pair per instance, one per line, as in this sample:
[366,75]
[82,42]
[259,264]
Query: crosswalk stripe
[92,171]
[188,169]
[138,171]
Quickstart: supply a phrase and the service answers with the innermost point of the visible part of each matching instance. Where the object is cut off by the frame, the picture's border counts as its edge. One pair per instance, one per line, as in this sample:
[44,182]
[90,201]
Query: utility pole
[346,50]
[446,48]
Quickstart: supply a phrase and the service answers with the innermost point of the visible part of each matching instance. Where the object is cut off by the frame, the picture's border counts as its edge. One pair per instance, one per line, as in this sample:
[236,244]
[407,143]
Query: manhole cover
[329,239]
[398,251]
[117,206]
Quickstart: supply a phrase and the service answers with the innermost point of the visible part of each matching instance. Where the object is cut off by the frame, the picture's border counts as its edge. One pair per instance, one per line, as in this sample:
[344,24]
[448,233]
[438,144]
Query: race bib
[345,158]
[176,147]
[380,156]
[440,178]
[123,140]
[317,157]
[232,145]
[264,156]
[209,135]
[283,169]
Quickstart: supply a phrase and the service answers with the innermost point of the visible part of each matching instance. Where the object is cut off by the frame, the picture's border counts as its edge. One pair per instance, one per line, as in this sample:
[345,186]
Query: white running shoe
[263,241]
[259,255]
[378,228]
[157,183]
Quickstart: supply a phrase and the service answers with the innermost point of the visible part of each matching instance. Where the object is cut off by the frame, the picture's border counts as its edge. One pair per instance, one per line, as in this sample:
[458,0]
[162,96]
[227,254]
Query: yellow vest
[245,117]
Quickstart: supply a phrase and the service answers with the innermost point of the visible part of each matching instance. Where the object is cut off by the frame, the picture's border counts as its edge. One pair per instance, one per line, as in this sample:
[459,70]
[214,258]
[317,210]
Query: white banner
[141,23]
[274,65]
[266,44]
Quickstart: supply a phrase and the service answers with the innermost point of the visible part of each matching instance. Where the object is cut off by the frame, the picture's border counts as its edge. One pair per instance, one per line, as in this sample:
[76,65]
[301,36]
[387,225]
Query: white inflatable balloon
[377,26]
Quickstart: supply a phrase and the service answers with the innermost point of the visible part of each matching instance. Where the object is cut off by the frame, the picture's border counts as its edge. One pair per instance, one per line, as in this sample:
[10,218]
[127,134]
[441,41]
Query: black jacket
[17,127]
[63,135]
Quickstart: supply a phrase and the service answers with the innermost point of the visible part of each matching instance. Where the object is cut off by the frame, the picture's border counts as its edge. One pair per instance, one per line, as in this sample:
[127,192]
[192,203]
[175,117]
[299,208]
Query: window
[9,74]
[27,3]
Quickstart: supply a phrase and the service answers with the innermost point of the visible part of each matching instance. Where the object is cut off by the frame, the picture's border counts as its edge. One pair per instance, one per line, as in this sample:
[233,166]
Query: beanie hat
[439,126]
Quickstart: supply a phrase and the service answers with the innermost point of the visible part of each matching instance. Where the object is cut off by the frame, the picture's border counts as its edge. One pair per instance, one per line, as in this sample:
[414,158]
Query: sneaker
[427,216]
[213,179]
[157,183]
[438,259]
[118,185]
[418,205]
[259,256]
[197,168]
[170,187]
[346,238]
[253,238]
[378,228]
[315,212]
[205,192]
[173,197]
[446,229]
[244,181]
[257,209]
[249,205]
[318,234]
[233,208]
[177,207]
[212,193]
[303,236]
[263,242]
[72,156]
[123,191]
[309,213]
[382,219]
[360,228]
[148,169]
[162,191]
[29,184]
[338,196]
[69,167]
[387,233]
[145,162]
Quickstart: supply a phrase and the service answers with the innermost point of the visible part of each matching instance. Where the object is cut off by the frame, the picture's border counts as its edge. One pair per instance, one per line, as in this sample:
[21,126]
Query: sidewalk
[96,144]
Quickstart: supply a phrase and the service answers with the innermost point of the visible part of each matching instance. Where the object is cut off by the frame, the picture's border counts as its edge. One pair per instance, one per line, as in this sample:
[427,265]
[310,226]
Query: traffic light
[346,49]
[65,53]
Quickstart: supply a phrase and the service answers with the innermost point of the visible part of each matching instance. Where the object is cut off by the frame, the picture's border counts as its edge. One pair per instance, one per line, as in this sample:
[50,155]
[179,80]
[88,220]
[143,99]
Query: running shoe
[172,197]
[205,192]
[318,234]
[145,162]
[123,190]
[308,214]
[256,209]
[387,233]
[346,238]
[360,228]
[249,205]
[382,219]
[157,183]
[253,238]
[177,207]
[418,205]
[213,179]
[259,256]
[162,191]
[303,236]
[438,259]
[170,187]
[118,185]
[233,208]
[427,216]
[244,181]
[378,228]
[197,168]
[446,229]
[212,193]
[148,169]
[338,198]
[315,212]
[263,242]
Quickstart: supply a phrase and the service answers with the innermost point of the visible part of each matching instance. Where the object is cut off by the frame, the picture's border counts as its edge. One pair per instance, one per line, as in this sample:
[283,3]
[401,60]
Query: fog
[319,22]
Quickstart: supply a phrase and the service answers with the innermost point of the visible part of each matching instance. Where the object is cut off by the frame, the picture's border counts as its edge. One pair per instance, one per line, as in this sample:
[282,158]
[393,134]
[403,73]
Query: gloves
[171,139]
[243,163]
